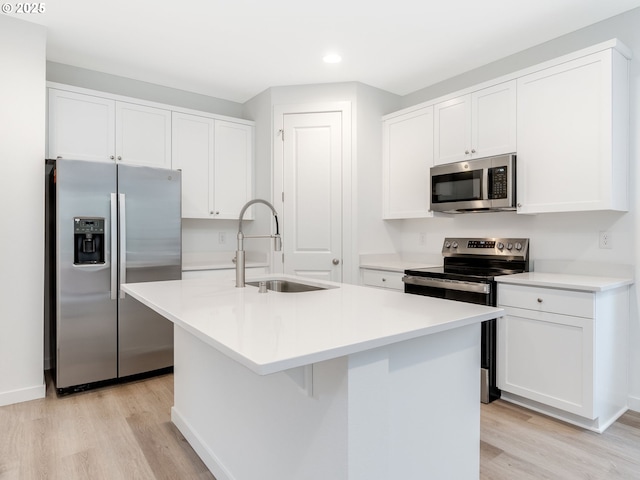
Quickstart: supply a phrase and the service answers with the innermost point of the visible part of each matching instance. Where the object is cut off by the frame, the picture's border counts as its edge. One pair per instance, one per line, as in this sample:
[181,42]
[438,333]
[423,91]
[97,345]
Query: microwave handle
[485,183]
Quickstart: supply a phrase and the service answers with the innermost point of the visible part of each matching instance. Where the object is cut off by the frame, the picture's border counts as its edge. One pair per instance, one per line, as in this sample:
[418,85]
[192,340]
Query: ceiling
[235,49]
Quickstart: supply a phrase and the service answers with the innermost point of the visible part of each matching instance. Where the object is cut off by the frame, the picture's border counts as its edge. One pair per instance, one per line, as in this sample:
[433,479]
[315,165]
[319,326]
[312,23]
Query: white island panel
[348,383]
[408,410]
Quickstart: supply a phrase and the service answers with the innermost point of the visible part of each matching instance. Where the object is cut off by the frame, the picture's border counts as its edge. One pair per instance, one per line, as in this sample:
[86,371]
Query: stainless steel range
[468,275]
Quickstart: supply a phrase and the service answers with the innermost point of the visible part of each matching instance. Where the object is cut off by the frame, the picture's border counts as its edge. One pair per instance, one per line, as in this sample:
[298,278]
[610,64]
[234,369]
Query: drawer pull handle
[539,300]
[384,279]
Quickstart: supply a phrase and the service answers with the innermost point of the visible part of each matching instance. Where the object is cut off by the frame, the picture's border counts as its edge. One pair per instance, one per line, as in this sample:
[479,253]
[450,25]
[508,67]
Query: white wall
[22,131]
[566,236]
[368,105]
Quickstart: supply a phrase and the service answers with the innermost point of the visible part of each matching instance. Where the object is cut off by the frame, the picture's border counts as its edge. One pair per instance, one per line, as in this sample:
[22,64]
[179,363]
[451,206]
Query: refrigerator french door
[113,224]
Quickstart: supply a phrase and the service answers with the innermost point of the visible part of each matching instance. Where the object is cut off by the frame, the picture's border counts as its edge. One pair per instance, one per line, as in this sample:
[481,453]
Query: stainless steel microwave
[482,185]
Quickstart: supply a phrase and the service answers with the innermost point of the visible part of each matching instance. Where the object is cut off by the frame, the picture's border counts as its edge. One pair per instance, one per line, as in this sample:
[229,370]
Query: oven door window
[457,187]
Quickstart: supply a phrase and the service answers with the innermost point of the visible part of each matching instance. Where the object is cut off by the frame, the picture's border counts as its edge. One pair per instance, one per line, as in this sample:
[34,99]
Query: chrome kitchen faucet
[277,241]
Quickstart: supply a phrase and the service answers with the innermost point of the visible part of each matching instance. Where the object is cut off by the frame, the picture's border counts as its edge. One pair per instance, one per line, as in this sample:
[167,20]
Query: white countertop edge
[317,356]
[585,283]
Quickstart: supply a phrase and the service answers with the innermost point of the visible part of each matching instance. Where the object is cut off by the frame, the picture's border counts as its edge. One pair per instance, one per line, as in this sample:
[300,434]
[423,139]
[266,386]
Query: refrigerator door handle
[122,224]
[114,247]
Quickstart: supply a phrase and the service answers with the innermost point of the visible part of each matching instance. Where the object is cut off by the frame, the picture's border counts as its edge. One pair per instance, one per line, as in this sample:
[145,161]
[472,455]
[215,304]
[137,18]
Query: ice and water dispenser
[88,239]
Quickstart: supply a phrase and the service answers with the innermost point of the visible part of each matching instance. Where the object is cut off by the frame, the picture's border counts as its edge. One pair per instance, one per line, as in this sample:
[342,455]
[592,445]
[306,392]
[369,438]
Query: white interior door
[312,188]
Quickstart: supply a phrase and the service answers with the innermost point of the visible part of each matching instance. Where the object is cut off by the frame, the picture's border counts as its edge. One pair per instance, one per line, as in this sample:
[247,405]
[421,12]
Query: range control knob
[454,244]
[509,246]
[447,244]
[500,245]
[518,246]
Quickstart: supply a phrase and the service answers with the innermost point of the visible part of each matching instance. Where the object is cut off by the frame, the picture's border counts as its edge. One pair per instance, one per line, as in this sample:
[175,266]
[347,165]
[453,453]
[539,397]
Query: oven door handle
[448,284]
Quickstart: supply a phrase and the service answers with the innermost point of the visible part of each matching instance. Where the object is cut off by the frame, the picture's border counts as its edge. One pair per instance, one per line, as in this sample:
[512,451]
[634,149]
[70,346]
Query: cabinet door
[407,157]
[192,152]
[143,135]
[233,168]
[452,130]
[547,358]
[567,158]
[81,127]
[493,117]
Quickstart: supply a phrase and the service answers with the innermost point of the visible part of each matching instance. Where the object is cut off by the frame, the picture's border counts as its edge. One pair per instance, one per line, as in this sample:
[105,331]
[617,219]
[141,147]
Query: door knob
[335,261]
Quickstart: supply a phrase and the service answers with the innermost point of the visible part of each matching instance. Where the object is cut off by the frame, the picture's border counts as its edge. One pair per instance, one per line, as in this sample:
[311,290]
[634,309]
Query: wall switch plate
[605,240]
[222,238]
[422,239]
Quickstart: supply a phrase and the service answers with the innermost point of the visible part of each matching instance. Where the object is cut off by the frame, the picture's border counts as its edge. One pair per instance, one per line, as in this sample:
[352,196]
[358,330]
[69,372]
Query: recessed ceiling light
[332,58]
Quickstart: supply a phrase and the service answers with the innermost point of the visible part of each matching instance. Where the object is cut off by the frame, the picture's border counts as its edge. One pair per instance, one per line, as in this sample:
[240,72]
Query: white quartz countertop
[272,332]
[399,263]
[586,283]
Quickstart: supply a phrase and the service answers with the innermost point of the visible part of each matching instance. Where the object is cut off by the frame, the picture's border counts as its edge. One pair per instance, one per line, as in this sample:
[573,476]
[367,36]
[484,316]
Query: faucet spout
[240,259]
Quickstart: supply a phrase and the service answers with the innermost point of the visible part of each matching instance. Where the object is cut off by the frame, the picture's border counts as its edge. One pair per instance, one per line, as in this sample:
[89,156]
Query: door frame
[349,188]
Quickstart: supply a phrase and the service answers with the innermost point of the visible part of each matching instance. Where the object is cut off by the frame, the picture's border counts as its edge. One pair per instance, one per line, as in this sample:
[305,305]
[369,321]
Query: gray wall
[104,82]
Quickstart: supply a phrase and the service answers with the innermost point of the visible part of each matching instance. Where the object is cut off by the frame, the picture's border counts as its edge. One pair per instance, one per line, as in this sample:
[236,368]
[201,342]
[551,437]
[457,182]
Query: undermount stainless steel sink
[289,286]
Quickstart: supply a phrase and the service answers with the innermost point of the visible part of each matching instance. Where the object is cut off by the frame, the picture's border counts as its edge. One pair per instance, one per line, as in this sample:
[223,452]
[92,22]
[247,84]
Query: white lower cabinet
[564,352]
[382,279]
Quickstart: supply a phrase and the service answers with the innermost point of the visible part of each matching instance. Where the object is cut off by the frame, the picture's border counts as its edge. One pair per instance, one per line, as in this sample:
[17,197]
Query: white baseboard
[22,395]
[634,403]
[206,455]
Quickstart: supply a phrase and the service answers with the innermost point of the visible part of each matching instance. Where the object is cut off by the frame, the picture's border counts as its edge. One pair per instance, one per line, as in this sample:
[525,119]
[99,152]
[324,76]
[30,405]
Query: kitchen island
[347,382]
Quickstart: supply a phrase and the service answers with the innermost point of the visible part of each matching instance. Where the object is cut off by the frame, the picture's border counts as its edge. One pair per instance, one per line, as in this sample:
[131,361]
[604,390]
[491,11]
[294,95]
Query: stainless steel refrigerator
[112,224]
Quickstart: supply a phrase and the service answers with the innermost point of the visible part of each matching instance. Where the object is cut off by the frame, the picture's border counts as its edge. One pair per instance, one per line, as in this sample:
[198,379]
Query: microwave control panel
[498,179]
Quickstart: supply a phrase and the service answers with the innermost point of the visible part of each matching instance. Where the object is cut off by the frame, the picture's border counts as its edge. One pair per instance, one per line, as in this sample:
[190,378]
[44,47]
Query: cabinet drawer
[382,279]
[564,302]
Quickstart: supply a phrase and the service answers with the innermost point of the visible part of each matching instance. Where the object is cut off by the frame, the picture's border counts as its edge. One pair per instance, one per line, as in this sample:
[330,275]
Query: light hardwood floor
[125,432]
[518,444]
[115,432]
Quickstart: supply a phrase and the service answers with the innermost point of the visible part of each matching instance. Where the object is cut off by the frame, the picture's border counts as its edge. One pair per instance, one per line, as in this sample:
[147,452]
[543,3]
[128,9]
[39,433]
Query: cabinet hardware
[539,300]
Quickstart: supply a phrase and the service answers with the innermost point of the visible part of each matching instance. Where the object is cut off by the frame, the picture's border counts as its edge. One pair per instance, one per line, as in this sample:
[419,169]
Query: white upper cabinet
[476,125]
[233,176]
[192,152]
[143,135]
[88,127]
[573,124]
[81,127]
[215,153]
[407,157]
[216,158]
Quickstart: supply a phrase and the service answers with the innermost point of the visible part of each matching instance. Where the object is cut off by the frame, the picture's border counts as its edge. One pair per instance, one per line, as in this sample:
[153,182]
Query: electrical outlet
[422,239]
[222,238]
[605,240]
